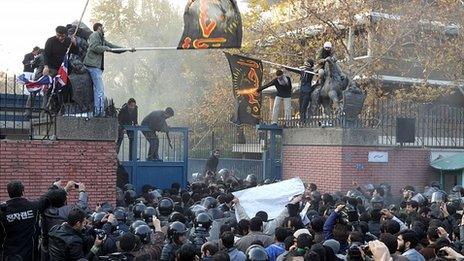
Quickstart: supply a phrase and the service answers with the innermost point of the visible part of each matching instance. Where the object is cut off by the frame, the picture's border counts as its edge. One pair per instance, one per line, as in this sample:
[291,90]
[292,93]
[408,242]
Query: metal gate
[272,152]
[161,174]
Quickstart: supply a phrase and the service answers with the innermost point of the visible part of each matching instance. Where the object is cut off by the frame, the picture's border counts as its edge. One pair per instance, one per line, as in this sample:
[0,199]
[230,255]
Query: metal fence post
[212,141]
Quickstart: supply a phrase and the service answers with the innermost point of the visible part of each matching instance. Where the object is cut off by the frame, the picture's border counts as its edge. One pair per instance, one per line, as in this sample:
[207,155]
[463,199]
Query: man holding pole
[94,60]
[283,85]
[305,86]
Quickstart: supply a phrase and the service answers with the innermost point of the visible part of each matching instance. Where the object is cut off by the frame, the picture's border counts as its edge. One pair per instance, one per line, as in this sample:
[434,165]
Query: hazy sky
[28,23]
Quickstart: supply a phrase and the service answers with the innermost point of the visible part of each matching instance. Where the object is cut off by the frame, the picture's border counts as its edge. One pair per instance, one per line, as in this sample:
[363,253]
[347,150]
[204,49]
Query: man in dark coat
[58,211]
[29,59]
[212,164]
[53,55]
[305,86]
[66,241]
[19,218]
[156,121]
[283,85]
[127,116]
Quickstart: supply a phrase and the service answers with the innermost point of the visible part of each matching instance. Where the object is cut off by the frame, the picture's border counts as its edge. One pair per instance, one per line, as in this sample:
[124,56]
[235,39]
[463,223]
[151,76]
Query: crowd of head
[206,222]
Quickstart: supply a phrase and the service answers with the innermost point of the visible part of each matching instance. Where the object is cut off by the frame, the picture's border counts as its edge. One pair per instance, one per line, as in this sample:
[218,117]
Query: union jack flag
[35,86]
[44,82]
[62,76]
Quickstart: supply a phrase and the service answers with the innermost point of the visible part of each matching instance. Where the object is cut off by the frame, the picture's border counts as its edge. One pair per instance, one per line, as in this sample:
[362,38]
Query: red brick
[38,163]
[331,170]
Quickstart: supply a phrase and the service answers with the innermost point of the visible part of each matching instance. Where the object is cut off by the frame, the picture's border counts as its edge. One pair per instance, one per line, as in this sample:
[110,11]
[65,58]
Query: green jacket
[97,46]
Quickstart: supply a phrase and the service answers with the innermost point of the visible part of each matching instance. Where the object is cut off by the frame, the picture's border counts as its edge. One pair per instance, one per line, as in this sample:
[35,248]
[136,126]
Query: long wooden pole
[78,24]
[142,49]
[175,48]
[285,66]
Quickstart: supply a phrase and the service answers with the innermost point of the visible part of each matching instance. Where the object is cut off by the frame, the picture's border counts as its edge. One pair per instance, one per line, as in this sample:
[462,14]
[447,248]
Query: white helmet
[327,45]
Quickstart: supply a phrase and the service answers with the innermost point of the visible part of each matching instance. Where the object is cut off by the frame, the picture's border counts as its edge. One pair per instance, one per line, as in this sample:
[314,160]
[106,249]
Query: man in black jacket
[66,241]
[29,59]
[305,86]
[156,121]
[53,55]
[54,52]
[19,219]
[58,211]
[212,164]
[283,85]
[127,116]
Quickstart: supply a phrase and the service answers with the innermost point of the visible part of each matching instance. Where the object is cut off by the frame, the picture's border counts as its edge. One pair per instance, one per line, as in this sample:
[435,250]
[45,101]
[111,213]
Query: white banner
[271,198]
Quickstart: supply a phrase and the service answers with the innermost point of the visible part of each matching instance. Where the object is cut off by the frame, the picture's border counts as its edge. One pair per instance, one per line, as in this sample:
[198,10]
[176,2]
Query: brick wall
[38,163]
[335,168]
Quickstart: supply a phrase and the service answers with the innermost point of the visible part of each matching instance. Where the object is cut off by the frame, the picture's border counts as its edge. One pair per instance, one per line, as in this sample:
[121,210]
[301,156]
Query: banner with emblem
[247,75]
[211,24]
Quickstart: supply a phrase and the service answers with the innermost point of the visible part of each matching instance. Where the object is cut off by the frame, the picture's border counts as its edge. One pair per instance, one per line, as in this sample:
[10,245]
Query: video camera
[349,215]
[100,233]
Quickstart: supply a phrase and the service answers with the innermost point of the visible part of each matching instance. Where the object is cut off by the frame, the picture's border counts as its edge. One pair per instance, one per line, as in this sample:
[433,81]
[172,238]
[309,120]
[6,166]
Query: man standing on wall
[53,55]
[156,121]
[283,85]
[127,116]
[306,88]
[94,60]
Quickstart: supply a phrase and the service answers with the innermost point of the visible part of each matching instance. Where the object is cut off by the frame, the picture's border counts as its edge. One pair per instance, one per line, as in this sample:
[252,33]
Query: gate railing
[436,125]
[135,146]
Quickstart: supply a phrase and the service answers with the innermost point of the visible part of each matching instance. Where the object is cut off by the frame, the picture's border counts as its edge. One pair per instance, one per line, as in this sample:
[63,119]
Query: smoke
[156,79]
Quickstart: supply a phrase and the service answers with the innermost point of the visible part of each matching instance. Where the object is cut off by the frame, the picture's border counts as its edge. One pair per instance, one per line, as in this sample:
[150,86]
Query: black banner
[247,75]
[211,24]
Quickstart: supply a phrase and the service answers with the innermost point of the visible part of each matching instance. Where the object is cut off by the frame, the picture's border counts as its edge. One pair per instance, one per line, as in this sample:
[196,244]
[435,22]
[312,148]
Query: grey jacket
[97,47]
[245,242]
[268,227]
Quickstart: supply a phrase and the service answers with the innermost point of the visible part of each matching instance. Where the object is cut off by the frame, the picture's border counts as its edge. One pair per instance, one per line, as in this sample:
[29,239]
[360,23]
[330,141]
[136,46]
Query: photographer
[58,211]
[66,241]
[335,231]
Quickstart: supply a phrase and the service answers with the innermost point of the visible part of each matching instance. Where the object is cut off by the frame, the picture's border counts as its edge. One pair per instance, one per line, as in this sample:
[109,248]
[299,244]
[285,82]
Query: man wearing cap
[306,88]
[322,56]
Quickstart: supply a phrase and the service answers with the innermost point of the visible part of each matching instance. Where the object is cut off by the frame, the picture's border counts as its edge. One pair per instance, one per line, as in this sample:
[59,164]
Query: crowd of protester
[206,222]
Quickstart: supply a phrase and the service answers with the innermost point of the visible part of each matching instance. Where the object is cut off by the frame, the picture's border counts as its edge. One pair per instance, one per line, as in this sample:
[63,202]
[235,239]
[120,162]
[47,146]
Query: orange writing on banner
[204,43]
[203,18]
[251,92]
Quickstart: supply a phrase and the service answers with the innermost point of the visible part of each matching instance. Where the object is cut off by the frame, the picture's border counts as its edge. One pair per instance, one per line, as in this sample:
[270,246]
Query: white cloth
[287,108]
[271,198]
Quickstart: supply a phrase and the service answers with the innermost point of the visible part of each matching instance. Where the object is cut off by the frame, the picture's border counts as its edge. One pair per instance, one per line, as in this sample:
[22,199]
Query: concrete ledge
[80,128]
[330,136]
